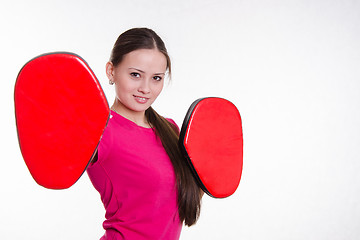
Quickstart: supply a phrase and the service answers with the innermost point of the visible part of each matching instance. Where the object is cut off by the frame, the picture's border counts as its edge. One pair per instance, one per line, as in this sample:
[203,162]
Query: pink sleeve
[104,146]
[174,124]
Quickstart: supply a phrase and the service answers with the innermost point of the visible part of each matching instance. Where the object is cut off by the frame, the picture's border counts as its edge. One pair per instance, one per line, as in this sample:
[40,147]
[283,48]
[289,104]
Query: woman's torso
[136,182]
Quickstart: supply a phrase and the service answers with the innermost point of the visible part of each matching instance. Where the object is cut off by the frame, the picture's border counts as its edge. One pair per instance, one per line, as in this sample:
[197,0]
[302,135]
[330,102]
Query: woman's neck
[137,117]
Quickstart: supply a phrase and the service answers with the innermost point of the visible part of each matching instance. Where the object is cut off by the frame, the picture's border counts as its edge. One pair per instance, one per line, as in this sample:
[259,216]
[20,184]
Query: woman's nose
[144,86]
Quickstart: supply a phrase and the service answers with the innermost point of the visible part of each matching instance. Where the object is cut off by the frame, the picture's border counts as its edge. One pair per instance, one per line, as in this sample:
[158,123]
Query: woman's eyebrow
[144,72]
[137,69]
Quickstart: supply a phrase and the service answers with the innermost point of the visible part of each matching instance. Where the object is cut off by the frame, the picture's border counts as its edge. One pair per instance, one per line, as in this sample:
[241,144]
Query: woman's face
[138,78]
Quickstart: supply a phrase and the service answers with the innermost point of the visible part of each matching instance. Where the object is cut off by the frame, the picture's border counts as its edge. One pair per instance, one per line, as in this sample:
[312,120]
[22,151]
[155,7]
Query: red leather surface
[61,112]
[214,144]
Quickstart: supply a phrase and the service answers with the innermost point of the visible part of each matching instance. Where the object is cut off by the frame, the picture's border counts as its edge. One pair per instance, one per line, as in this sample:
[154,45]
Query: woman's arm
[95,157]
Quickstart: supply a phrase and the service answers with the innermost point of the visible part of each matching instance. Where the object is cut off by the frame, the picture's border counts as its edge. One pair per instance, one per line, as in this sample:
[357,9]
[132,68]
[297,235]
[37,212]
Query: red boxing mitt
[212,142]
[61,112]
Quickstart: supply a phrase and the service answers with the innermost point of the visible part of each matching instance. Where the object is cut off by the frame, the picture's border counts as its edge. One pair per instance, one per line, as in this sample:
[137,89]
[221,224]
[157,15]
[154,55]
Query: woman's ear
[110,72]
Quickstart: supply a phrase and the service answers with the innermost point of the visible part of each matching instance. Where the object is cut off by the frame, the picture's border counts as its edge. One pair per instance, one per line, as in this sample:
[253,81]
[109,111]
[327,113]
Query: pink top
[136,182]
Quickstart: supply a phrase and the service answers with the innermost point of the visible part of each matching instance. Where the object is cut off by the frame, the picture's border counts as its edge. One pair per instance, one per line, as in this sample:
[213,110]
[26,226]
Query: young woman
[146,187]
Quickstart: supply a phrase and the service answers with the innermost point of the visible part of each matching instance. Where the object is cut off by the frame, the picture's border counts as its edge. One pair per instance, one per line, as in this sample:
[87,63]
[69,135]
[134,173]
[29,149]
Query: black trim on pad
[184,128]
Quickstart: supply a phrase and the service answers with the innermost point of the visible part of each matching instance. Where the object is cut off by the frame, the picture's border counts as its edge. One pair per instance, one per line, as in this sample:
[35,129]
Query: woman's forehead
[145,60]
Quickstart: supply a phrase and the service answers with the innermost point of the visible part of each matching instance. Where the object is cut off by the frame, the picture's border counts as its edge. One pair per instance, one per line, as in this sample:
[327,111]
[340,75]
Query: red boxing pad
[212,142]
[61,112]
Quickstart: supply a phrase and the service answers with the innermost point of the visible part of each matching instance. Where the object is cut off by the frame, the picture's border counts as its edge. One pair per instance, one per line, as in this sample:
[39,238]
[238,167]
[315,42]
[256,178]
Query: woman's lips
[141,100]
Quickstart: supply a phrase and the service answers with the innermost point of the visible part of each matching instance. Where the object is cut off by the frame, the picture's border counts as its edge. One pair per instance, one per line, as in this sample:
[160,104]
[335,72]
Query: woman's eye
[157,78]
[135,74]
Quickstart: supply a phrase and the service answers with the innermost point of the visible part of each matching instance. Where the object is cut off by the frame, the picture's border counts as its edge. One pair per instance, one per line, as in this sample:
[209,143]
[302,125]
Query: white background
[291,67]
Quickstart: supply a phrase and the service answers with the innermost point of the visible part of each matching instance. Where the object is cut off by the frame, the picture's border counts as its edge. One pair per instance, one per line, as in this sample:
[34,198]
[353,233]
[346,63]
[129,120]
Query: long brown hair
[189,194]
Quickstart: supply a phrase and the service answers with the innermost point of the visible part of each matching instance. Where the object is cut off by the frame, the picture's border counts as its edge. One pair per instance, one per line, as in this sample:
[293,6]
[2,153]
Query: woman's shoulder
[173,124]
[171,121]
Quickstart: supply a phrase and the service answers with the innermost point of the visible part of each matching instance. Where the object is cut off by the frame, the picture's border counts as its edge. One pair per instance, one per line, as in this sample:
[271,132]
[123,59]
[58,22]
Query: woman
[146,187]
